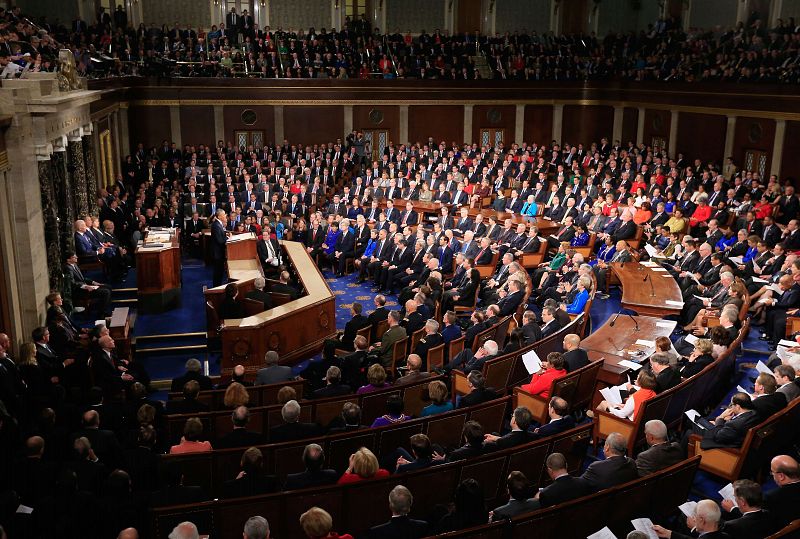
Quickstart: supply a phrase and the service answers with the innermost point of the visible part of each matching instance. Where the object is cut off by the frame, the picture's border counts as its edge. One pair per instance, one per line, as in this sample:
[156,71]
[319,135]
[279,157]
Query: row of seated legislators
[86,442]
[749,52]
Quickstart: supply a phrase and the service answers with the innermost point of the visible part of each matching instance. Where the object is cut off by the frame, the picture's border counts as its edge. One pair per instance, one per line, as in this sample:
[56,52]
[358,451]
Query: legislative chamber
[400,268]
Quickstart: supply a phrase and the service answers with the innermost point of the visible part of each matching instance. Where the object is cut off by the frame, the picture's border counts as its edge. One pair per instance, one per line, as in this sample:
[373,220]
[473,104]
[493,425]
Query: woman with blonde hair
[363,465]
[32,373]
[376,376]
[236,395]
[286,394]
[317,524]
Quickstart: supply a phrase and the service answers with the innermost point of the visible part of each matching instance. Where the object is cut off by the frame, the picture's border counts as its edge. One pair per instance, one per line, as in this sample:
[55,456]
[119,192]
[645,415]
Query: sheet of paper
[532,362]
[693,415]
[776,289]
[760,280]
[761,367]
[787,343]
[727,494]
[701,298]
[645,525]
[674,303]
[24,509]
[691,339]
[756,268]
[742,390]
[652,251]
[736,259]
[691,275]
[688,508]
[782,353]
[630,364]
[645,342]
[605,533]
[660,270]
[611,395]
[669,325]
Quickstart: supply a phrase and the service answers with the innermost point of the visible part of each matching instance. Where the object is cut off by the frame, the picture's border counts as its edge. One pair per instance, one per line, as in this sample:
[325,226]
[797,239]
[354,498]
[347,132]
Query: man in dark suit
[273,373]
[777,308]
[706,520]
[81,286]
[292,428]
[747,519]
[110,372]
[219,238]
[479,392]
[661,454]
[344,248]
[51,364]
[560,420]
[729,428]
[615,469]
[666,376]
[549,323]
[766,399]
[189,404]
[103,442]
[259,294]
[574,356]
[344,340]
[314,475]
[530,328]
[240,436]
[784,501]
[519,492]
[520,421]
[379,314]
[564,487]
[193,372]
[511,300]
[333,384]
[401,526]
[251,481]
[421,455]
[283,286]
[431,339]
[269,253]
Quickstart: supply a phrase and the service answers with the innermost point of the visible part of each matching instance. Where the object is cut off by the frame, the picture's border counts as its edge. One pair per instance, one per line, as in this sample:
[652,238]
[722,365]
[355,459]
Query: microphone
[614,321]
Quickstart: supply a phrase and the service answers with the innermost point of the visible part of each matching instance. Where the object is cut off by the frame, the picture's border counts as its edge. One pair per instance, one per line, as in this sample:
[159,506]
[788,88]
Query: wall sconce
[263,3]
[336,4]
[491,6]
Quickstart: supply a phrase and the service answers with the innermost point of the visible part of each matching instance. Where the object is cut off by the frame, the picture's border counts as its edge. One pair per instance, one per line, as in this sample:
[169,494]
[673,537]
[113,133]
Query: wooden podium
[158,272]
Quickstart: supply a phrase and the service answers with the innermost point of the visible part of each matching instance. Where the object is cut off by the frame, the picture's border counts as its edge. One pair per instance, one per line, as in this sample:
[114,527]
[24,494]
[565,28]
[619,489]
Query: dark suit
[766,405]
[554,427]
[274,374]
[400,527]
[332,390]
[180,381]
[263,254]
[262,296]
[345,244]
[575,359]
[218,251]
[186,406]
[293,431]
[477,396]
[550,328]
[667,379]
[783,503]
[512,439]
[239,437]
[310,478]
[729,433]
[563,489]
[658,457]
[177,495]
[515,507]
[753,525]
[609,472]
[249,485]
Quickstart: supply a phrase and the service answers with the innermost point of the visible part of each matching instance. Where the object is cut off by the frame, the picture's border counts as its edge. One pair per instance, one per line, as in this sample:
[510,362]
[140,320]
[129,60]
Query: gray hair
[636,534]
[185,530]
[290,411]
[616,442]
[708,510]
[259,283]
[656,428]
[432,324]
[193,365]
[400,500]
[271,358]
[256,528]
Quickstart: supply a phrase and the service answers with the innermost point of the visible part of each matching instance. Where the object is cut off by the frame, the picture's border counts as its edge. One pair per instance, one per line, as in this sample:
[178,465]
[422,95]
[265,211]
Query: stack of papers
[674,303]
[645,525]
[688,508]
[727,494]
[691,339]
[532,362]
[693,415]
[660,269]
[611,395]
[605,533]
[645,343]
[787,343]
[630,365]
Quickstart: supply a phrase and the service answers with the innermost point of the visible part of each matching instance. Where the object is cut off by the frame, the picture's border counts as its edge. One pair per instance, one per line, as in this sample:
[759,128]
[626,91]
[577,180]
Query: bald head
[128,533]
[785,470]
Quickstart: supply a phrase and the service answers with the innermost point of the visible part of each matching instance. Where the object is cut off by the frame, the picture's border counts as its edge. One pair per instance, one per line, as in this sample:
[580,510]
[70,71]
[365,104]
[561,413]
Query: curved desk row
[648,289]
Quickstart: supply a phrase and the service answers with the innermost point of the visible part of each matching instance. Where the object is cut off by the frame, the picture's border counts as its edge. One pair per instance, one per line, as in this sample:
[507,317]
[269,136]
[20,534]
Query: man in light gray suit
[273,373]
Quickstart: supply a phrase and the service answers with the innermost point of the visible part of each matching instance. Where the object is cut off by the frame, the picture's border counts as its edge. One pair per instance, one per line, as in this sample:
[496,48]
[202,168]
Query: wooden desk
[295,330]
[242,249]
[646,290]
[158,274]
[616,343]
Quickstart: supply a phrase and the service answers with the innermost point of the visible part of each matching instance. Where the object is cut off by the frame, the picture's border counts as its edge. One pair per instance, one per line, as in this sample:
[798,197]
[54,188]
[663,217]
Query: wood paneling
[586,124]
[701,136]
[265,120]
[753,134]
[468,16]
[197,125]
[574,16]
[499,117]
[313,124]
[391,120]
[442,122]
[790,164]
[149,125]
[656,124]
[538,124]
[630,123]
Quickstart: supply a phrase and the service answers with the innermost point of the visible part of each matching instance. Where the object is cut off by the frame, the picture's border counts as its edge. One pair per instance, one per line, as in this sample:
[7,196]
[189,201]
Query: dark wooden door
[574,16]
[468,16]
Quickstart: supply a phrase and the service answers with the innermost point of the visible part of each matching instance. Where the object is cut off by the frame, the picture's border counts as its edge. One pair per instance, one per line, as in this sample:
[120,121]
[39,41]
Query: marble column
[91,171]
[77,172]
[64,195]
[50,218]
